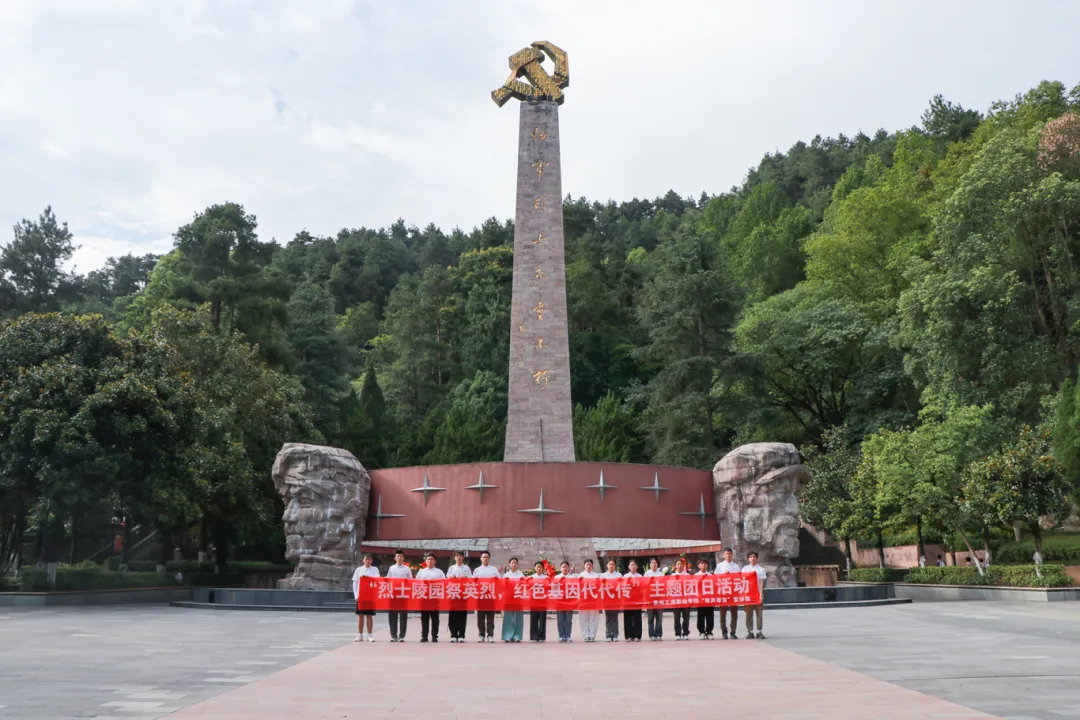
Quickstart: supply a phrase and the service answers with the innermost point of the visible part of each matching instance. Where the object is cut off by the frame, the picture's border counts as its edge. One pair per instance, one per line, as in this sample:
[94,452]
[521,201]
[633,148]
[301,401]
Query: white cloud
[129,116]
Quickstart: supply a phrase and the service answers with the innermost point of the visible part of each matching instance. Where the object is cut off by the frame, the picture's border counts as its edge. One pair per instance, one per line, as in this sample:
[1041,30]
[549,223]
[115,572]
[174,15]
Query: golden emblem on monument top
[525,64]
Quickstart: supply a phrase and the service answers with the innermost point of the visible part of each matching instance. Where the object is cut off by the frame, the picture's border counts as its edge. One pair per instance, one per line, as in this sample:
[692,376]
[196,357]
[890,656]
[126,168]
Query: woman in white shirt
[513,620]
[590,619]
[656,617]
[611,617]
[364,616]
[485,619]
[456,619]
[682,614]
[564,619]
[538,618]
[632,618]
[754,611]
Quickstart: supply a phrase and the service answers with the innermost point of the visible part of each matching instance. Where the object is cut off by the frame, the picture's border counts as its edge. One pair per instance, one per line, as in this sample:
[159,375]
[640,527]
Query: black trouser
[682,622]
[706,619]
[611,624]
[429,617]
[398,622]
[733,610]
[538,625]
[485,623]
[456,619]
[656,623]
[632,624]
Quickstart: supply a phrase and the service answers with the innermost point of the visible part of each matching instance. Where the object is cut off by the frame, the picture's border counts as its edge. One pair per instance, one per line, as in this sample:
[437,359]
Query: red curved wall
[457,512]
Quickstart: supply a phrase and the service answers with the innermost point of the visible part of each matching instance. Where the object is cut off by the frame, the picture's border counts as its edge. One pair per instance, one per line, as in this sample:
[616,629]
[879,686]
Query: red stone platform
[746,680]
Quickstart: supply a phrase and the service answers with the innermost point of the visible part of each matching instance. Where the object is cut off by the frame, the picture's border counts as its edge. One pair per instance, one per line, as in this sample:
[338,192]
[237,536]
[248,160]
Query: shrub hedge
[34,580]
[1021,552]
[1000,575]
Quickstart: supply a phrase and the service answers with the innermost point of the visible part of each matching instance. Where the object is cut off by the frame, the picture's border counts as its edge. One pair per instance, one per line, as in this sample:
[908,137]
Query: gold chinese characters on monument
[525,65]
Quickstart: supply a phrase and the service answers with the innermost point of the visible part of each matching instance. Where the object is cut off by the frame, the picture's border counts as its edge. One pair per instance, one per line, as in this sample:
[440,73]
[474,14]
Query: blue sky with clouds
[128,116]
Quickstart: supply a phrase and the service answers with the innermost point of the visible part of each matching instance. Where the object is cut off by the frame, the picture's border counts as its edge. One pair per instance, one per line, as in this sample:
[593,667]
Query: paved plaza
[932,660]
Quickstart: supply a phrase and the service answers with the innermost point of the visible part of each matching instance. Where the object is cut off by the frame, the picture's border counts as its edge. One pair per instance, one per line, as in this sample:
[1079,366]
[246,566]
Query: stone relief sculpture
[326,492]
[757,508]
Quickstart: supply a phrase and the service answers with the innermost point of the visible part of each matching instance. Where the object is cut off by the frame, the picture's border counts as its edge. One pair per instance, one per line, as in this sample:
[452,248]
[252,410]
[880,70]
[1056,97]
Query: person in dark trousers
[632,618]
[682,614]
[564,619]
[656,617]
[485,619]
[538,618]
[399,619]
[611,617]
[456,619]
[706,616]
[728,566]
[429,618]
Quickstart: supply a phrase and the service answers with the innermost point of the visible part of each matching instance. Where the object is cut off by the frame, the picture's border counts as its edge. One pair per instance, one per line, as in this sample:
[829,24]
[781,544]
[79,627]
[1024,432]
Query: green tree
[473,428]
[606,432]
[688,309]
[318,350]
[32,276]
[827,502]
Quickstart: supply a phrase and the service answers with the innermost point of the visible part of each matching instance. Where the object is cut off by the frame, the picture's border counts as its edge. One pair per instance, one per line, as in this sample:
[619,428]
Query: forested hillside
[900,306]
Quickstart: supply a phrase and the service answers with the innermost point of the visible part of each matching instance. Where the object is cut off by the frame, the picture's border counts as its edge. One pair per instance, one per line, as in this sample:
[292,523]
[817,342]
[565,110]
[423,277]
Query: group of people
[513,620]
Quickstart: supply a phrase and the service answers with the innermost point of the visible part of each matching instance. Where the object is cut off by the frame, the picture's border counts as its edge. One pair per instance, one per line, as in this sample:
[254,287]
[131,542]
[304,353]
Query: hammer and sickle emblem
[526,64]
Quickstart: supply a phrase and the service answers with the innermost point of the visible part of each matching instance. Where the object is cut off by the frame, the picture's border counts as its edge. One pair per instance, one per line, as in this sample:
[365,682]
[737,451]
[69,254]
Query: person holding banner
[564,619]
[728,567]
[538,618]
[399,619]
[706,617]
[513,619]
[485,619]
[656,617]
[632,618]
[682,614]
[590,619]
[754,611]
[364,616]
[611,617]
[429,617]
[456,619]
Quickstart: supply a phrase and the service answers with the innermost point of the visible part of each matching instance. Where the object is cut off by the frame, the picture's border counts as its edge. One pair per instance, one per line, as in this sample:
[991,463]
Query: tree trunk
[974,557]
[1036,536]
[847,554]
[204,539]
[986,545]
[166,547]
[881,549]
[221,546]
[126,549]
[73,548]
[1016,531]
[919,545]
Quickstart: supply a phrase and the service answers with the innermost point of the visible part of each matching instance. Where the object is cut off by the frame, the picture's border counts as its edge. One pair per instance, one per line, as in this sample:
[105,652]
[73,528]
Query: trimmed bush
[1024,576]
[962,575]
[74,579]
[136,566]
[1021,552]
[876,574]
[193,566]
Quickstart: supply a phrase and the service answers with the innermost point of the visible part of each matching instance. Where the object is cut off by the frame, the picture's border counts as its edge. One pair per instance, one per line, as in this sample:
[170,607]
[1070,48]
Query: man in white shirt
[485,619]
[364,616]
[456,619]
[590,619]
[656,617]
[564,619]
[429,618]
[611,617]
[399,619]
[728,566]
[752,611]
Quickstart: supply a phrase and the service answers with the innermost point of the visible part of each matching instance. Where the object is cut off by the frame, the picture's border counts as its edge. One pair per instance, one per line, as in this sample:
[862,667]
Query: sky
[129,116]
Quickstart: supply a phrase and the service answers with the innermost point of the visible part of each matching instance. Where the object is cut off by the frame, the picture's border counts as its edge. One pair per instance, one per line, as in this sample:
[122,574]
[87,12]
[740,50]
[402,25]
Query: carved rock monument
[326,506]
[757,509]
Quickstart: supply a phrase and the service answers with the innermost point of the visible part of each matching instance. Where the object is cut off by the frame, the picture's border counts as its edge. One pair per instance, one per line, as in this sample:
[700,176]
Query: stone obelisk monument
[539,424]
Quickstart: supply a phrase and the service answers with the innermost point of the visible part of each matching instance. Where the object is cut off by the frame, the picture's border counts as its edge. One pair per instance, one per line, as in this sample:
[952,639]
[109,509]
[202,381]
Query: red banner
[498,594]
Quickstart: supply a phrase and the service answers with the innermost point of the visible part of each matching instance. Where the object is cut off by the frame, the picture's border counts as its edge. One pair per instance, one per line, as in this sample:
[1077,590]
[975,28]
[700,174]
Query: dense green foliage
[901,306]
[998,575]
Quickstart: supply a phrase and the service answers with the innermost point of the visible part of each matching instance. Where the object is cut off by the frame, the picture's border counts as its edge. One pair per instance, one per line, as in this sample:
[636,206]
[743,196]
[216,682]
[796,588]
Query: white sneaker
[358,638]
[371,638]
